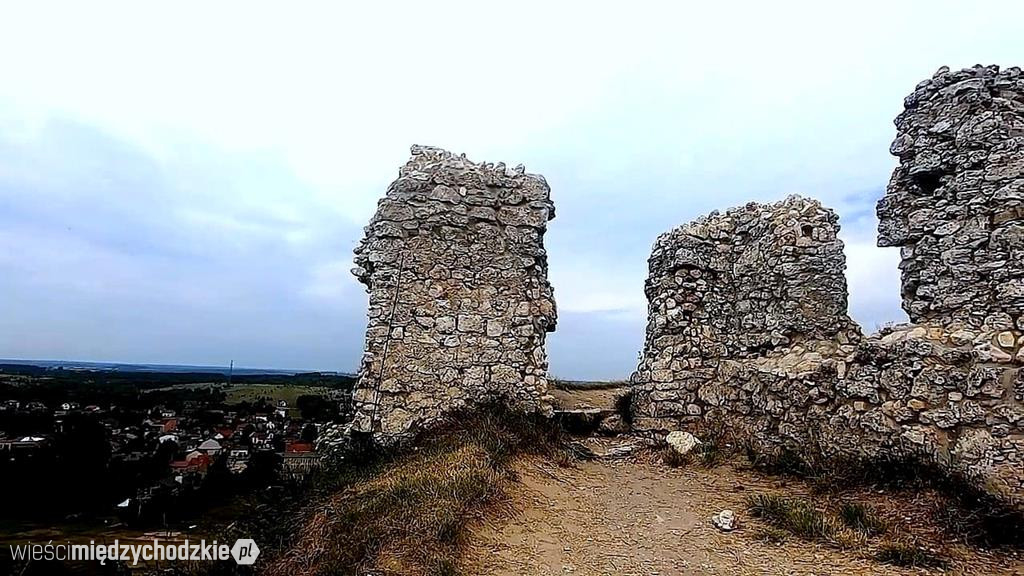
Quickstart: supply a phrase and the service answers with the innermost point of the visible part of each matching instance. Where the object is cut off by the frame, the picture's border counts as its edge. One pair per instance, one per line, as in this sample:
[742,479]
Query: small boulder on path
[724,521]
[681,442]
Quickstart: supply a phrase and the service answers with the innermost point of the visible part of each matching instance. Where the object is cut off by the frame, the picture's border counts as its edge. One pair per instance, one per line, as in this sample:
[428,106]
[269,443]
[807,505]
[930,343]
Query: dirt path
[639,517]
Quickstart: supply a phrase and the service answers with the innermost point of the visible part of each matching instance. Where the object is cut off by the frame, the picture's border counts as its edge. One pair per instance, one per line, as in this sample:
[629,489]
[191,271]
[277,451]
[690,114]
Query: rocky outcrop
[784,369]
[459,301]
[955,203]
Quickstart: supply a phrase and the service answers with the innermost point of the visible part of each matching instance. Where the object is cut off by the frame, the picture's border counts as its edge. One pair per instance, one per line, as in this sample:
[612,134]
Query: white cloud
[255,131]
[340,90]
[598,285]
[333,284]
[873,278]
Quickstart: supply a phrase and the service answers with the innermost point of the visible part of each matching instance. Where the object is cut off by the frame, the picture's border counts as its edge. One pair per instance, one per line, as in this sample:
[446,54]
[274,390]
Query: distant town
[145,448]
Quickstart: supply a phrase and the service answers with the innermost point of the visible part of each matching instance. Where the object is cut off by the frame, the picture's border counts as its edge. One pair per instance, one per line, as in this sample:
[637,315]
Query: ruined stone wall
[459,301]
[947,390]
[752,279]
[950,387]
[732,287]
[949,395]
[931,393]
[955,204]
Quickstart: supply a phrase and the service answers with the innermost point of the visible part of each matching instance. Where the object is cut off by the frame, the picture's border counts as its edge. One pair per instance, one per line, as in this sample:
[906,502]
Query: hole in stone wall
[806,230]
[760,349]
[928,182]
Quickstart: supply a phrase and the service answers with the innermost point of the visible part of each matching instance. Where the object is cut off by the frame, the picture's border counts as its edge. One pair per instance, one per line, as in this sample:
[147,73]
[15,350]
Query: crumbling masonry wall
[934,394]
[729,290]
[948,389]
[459,301]
[955,203]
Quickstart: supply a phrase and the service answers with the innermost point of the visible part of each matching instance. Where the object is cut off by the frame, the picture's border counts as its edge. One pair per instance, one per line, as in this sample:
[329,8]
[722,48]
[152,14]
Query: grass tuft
[968,514]
[624,407]
[772,534]
[716,446]
[908,555]
[863,519]
[786,462]
[674,459]
[801,518]
[795,515]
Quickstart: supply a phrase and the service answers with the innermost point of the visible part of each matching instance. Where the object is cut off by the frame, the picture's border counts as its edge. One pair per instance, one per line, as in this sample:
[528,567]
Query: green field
[273,392]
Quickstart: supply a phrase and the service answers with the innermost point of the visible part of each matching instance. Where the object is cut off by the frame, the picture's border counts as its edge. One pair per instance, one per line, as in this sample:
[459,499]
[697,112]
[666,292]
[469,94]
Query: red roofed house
[298,447]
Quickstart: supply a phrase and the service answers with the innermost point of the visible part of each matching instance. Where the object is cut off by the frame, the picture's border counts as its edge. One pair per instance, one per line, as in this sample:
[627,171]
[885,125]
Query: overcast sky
[186,184]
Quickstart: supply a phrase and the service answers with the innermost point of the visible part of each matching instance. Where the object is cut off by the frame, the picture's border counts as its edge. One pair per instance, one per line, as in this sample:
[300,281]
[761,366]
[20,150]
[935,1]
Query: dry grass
[410,515]
[716,447]
[909,555]
[408,519]
[801,518]
[794,515]
[717,443]
[674,459]
[624,406]
[965,513]
[849,528]
[863,519]
[772,534]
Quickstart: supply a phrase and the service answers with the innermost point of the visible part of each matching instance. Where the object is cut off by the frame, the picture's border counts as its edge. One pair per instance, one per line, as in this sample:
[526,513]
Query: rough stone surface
[945,394]
[750,280]
[459,301]
[681,442]
[732,288]
[919,391]
[724,521]
[948,390]
[955,204]
[612,425]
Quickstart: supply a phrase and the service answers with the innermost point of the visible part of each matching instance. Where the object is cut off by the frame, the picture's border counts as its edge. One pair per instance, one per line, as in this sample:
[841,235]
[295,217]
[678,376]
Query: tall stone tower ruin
[955,204]
[459,300]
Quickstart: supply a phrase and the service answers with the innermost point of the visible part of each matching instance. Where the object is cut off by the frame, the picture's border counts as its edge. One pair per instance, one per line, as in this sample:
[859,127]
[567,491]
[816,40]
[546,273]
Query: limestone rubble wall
[935,394]
[947,390]
[952,397]
[752,279]
[955,203]
[729,295]
[459,301]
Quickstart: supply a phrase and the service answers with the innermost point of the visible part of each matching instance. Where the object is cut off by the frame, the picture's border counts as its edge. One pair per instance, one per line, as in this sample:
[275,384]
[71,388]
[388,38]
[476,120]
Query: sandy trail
[639,517]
